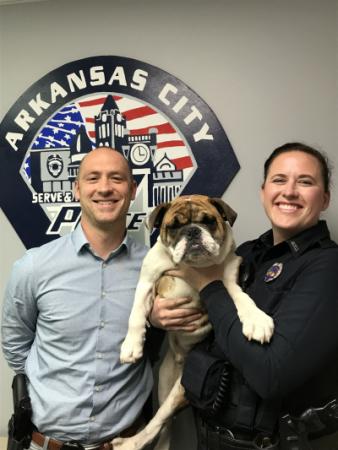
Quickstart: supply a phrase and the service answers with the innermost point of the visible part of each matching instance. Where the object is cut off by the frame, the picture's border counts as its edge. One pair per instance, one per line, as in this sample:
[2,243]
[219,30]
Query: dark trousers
[209,439]
[329,442]
[215,441]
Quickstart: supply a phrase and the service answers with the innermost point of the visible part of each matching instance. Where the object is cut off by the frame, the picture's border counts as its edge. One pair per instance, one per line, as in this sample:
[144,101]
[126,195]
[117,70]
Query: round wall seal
[170,137]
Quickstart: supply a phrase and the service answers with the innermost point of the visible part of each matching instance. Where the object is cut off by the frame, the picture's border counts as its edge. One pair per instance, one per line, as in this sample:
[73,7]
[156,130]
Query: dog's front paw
[257,326]
[131,350]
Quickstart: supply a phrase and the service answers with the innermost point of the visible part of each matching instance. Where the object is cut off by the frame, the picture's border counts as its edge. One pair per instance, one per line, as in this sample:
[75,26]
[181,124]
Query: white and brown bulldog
[194,230]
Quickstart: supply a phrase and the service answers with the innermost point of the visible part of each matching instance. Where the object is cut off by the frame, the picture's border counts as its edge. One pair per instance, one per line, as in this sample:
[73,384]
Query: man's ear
[133,189]
[155,218]
[227,213]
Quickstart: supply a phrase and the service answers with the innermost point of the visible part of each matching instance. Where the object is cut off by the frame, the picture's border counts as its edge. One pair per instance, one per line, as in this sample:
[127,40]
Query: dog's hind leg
[163,442]
[172,403]
[169,372]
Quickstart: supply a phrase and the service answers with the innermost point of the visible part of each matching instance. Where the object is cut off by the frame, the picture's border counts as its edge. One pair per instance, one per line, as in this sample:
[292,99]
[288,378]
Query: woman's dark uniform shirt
[296,282]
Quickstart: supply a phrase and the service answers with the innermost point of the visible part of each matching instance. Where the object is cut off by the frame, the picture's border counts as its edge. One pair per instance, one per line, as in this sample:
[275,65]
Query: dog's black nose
[193,232]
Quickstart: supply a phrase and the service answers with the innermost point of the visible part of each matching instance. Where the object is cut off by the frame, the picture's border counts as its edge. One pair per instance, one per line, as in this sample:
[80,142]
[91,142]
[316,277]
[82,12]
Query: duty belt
[313,423]
[222,438]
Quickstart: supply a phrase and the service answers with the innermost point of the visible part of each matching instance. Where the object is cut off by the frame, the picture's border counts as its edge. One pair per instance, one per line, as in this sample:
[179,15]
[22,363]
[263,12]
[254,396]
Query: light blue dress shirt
[65,316]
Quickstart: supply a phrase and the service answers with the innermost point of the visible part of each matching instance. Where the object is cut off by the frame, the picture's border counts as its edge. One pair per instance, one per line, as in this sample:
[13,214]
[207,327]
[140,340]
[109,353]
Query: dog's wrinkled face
[193,227]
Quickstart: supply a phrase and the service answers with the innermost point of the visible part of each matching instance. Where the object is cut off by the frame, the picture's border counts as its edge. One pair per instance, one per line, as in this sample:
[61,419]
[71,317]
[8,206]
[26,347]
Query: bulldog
[194,230]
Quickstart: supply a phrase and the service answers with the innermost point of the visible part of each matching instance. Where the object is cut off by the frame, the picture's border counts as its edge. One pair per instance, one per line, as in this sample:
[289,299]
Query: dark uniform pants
[209,439]
[212,439]
[329,442]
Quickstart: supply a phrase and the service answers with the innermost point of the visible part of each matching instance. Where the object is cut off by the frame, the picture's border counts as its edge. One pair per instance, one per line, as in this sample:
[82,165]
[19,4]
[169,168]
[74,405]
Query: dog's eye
[174,225]
[209,221]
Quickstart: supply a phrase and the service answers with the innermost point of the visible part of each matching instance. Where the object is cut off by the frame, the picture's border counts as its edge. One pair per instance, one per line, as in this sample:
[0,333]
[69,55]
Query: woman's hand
[173,315]
[199,277]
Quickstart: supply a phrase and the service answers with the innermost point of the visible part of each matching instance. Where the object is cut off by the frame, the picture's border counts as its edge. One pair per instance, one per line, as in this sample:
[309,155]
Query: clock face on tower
[139,154]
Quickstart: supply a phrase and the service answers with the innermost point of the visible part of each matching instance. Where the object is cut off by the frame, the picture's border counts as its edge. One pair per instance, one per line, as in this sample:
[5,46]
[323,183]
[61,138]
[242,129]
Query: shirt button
[99,355]
[92,419]
[102,324]
[103,294]
[98,388]
[104,265]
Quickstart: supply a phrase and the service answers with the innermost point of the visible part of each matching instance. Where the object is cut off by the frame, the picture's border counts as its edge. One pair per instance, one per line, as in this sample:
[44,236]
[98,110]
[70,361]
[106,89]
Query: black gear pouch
[205,379]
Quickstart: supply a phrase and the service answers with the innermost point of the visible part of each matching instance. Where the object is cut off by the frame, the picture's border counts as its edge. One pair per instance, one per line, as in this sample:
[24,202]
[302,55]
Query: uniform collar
[81,242]
[301,242]
[308,238]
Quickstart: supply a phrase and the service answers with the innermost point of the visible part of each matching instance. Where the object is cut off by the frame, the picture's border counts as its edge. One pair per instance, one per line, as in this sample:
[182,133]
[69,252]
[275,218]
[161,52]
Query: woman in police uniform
[279,395]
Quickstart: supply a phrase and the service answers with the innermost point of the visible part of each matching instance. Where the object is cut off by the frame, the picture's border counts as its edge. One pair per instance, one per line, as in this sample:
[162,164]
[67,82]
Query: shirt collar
[299,243]
[307,238]
[81,242]
[79,239]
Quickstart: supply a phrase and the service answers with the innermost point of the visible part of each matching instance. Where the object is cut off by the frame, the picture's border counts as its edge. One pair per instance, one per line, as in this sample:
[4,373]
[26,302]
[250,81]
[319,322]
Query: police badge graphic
[171,138]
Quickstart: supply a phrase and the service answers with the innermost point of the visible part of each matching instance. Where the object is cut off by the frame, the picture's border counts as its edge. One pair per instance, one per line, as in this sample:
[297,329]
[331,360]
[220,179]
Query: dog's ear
[155,218]
[224,209]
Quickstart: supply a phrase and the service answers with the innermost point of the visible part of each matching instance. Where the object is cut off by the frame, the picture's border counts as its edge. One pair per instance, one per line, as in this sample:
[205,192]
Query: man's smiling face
[293,194]
[104,188]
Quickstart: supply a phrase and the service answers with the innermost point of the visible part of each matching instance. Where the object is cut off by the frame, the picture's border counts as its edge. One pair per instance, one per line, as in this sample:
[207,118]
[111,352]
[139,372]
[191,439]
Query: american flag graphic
[59,131]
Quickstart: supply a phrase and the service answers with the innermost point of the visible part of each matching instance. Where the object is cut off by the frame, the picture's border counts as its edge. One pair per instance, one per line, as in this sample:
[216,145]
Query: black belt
[319,421]
[221,438]
[300,431]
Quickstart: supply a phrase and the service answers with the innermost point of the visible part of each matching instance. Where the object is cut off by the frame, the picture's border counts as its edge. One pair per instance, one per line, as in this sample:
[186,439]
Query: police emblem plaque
[170,137]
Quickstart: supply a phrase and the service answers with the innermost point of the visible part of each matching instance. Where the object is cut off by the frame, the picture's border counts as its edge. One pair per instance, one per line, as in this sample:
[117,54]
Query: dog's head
[193,227]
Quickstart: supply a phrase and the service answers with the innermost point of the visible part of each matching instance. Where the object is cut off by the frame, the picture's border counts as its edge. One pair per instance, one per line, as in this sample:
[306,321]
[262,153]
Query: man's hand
[172,315]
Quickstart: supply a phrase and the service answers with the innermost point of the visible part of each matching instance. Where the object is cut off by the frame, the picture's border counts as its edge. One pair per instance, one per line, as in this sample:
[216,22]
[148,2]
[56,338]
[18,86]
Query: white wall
[267,68]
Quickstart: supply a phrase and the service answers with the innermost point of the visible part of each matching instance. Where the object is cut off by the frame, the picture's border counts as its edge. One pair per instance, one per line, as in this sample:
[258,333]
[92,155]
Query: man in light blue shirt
[66,314]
